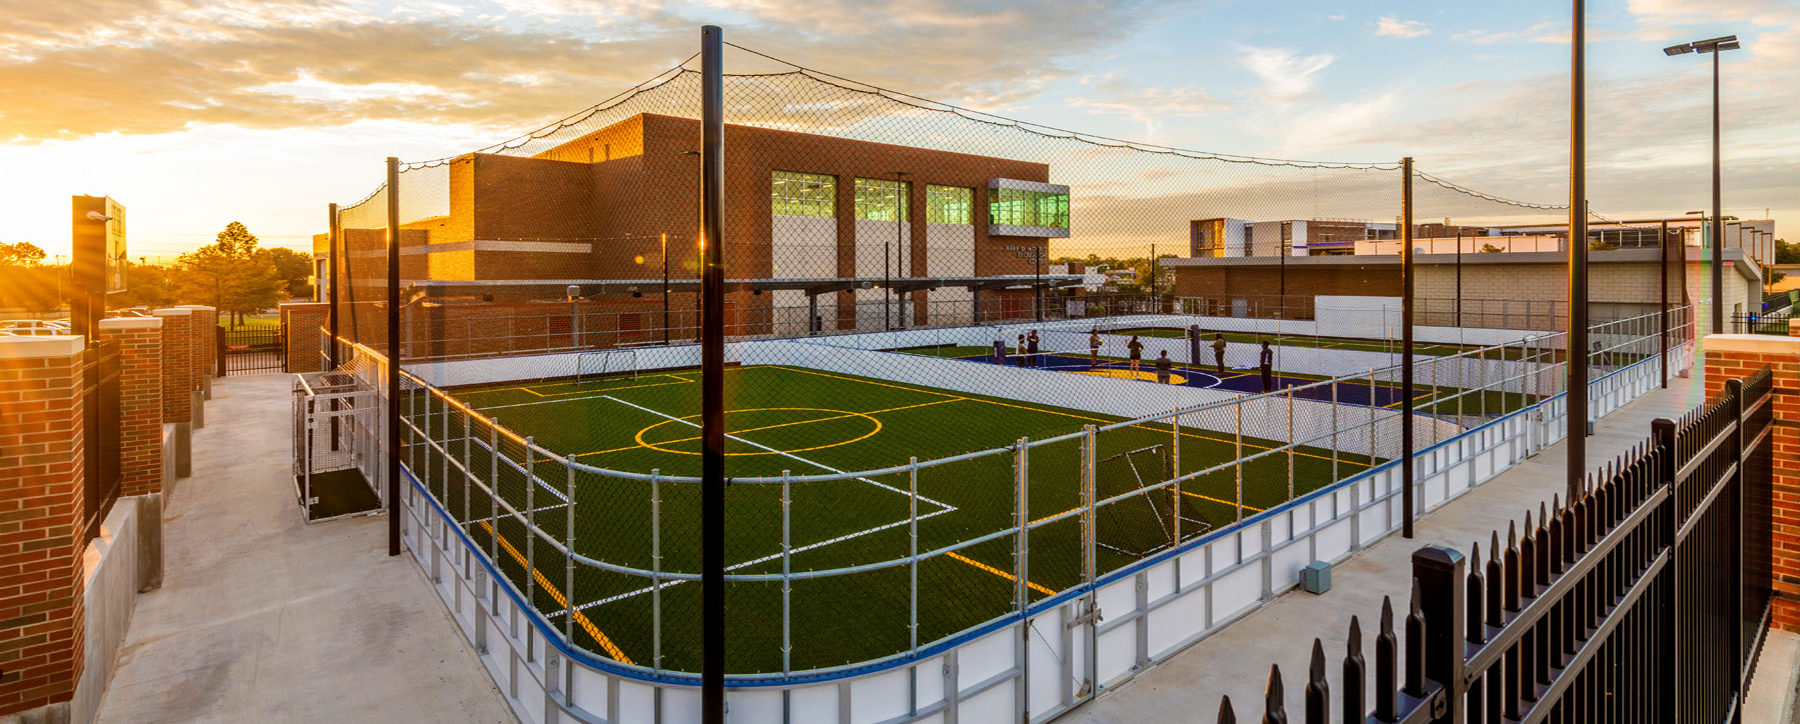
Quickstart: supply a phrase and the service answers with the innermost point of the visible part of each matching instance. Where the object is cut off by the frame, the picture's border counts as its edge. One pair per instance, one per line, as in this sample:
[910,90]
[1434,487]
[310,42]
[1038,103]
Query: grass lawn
[810,422]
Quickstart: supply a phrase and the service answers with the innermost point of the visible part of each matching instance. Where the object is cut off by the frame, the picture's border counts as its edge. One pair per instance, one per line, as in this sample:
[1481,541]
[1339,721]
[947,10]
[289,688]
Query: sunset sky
[195,113]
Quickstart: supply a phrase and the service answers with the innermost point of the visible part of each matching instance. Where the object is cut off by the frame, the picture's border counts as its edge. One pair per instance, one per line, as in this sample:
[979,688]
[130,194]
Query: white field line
[764,559]
[491,520]
[783,453]
[542,484]
[943,508]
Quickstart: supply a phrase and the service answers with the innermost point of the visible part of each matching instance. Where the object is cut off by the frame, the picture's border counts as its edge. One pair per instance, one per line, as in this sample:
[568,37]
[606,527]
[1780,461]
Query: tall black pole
[898,246]
[332,237]
[1037,286]
[1577,351]
[1662,313]
[665,289]
[1718,235]
[393,354]
[1406,348]
[712,381]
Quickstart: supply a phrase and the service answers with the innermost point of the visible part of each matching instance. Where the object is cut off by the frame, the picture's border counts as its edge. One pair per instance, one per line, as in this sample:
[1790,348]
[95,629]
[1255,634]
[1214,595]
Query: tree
[293,268]
[25,281]
[146,285]
[20,253]
[232,274]
[1786,253]
[1490,249]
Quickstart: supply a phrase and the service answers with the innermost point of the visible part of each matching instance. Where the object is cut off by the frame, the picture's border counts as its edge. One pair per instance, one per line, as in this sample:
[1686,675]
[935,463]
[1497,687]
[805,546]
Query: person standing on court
[1266,362]
[1162,367]
[1137,354]
[1094,348]
[1193,339]
[1031,348]
[1219,351]
[1023,360]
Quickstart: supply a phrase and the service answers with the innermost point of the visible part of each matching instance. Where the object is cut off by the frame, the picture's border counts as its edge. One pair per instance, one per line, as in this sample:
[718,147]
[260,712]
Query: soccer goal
[1145,523]
[606,363]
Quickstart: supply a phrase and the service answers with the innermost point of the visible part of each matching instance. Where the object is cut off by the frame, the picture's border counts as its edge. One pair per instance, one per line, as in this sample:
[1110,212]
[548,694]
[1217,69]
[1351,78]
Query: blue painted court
[1245,381]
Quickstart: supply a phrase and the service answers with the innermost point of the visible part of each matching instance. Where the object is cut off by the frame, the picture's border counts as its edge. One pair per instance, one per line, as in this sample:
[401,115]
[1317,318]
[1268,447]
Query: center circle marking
[834,415]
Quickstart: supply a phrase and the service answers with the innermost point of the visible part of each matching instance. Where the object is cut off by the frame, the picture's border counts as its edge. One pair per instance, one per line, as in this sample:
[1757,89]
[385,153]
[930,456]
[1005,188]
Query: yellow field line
[771,427]
[1053,515]
[556,594]
[1416,399]
[1003,574]
[1232,503]
[1064,414]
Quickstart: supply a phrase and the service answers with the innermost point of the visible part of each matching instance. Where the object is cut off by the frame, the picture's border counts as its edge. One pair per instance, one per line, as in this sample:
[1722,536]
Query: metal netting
[972,363]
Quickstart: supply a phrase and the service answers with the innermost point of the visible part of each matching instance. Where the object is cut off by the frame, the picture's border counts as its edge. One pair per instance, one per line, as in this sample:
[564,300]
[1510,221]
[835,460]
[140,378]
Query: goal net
[1145,523]
[606,364]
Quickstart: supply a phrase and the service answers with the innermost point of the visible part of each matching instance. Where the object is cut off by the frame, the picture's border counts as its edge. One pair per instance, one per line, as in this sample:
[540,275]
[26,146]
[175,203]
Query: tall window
[949,204]
[882,200]
[1019,207]
[804,194]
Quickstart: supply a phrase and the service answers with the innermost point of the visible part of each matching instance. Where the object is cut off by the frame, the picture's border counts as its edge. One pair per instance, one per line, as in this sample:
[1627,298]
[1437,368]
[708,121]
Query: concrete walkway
[262,618]
[1236,660]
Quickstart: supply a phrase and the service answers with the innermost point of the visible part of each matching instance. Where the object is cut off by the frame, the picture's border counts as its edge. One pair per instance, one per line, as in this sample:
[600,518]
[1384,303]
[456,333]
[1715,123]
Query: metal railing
[486,478]
[1768,323]
[1645,600]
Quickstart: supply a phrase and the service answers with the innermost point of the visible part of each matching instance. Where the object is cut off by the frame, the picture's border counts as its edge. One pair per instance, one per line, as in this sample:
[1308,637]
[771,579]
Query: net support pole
[712,381]
[1237,470]
[393,354]
[1021,522]
[1578,292]
[1407,504]
[656,570]
[332,237]
[912,552]
[787,570]
[665,288]
[569,563]
[1662,309]
[1175,472]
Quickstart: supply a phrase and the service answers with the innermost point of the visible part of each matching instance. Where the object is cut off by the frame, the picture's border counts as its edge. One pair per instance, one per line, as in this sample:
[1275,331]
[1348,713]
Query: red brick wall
[301,323]
[1734,356]
[140,402]
[41,621]
[178,364]
[204,358]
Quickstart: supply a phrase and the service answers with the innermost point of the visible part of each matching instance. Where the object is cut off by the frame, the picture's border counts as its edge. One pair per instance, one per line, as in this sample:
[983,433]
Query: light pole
[1714,46]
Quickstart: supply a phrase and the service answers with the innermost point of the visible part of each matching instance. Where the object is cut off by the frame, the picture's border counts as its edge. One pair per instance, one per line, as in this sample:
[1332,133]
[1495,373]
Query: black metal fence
[252,350]
[1645,600]
[100,433]
[1760,323]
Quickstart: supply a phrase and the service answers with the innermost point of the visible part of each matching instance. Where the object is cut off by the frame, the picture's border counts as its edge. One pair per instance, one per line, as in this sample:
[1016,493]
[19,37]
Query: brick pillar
[1738,355]
[205,356]
[140,401]
[177,387]
[302,322]
[41,541]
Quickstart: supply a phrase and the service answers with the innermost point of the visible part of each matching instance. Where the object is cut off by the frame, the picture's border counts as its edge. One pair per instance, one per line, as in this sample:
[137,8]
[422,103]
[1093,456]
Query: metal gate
[100,427]
[252,351]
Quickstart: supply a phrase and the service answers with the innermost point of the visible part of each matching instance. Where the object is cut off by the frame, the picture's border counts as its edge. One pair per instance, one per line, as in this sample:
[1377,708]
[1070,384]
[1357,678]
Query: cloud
[1395,27]
[155,67]
[1545,32]
[1286,75]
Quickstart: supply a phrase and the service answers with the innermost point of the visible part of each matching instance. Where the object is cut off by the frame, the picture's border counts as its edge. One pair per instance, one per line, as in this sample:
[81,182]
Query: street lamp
[1715,46]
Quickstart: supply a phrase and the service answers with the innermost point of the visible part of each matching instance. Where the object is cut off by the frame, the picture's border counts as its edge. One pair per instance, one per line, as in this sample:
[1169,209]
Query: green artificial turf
[823,421]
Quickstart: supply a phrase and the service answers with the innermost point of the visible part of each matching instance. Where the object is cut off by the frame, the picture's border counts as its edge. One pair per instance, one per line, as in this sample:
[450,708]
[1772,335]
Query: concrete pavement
[263,618]
[1235,661]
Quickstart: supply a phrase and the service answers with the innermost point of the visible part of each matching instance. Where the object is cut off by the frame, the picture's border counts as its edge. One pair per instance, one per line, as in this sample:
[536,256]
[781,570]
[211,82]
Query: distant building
[815,227]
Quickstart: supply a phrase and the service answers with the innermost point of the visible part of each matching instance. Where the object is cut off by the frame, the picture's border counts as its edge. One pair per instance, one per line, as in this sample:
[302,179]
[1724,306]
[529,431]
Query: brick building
[1515,290]
[816,226]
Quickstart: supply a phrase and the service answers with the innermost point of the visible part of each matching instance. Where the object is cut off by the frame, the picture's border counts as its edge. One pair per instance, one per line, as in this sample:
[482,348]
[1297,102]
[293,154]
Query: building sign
[97,225]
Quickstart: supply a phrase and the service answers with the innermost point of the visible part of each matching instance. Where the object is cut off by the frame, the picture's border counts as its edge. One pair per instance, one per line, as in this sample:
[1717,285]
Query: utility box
[1316,577]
